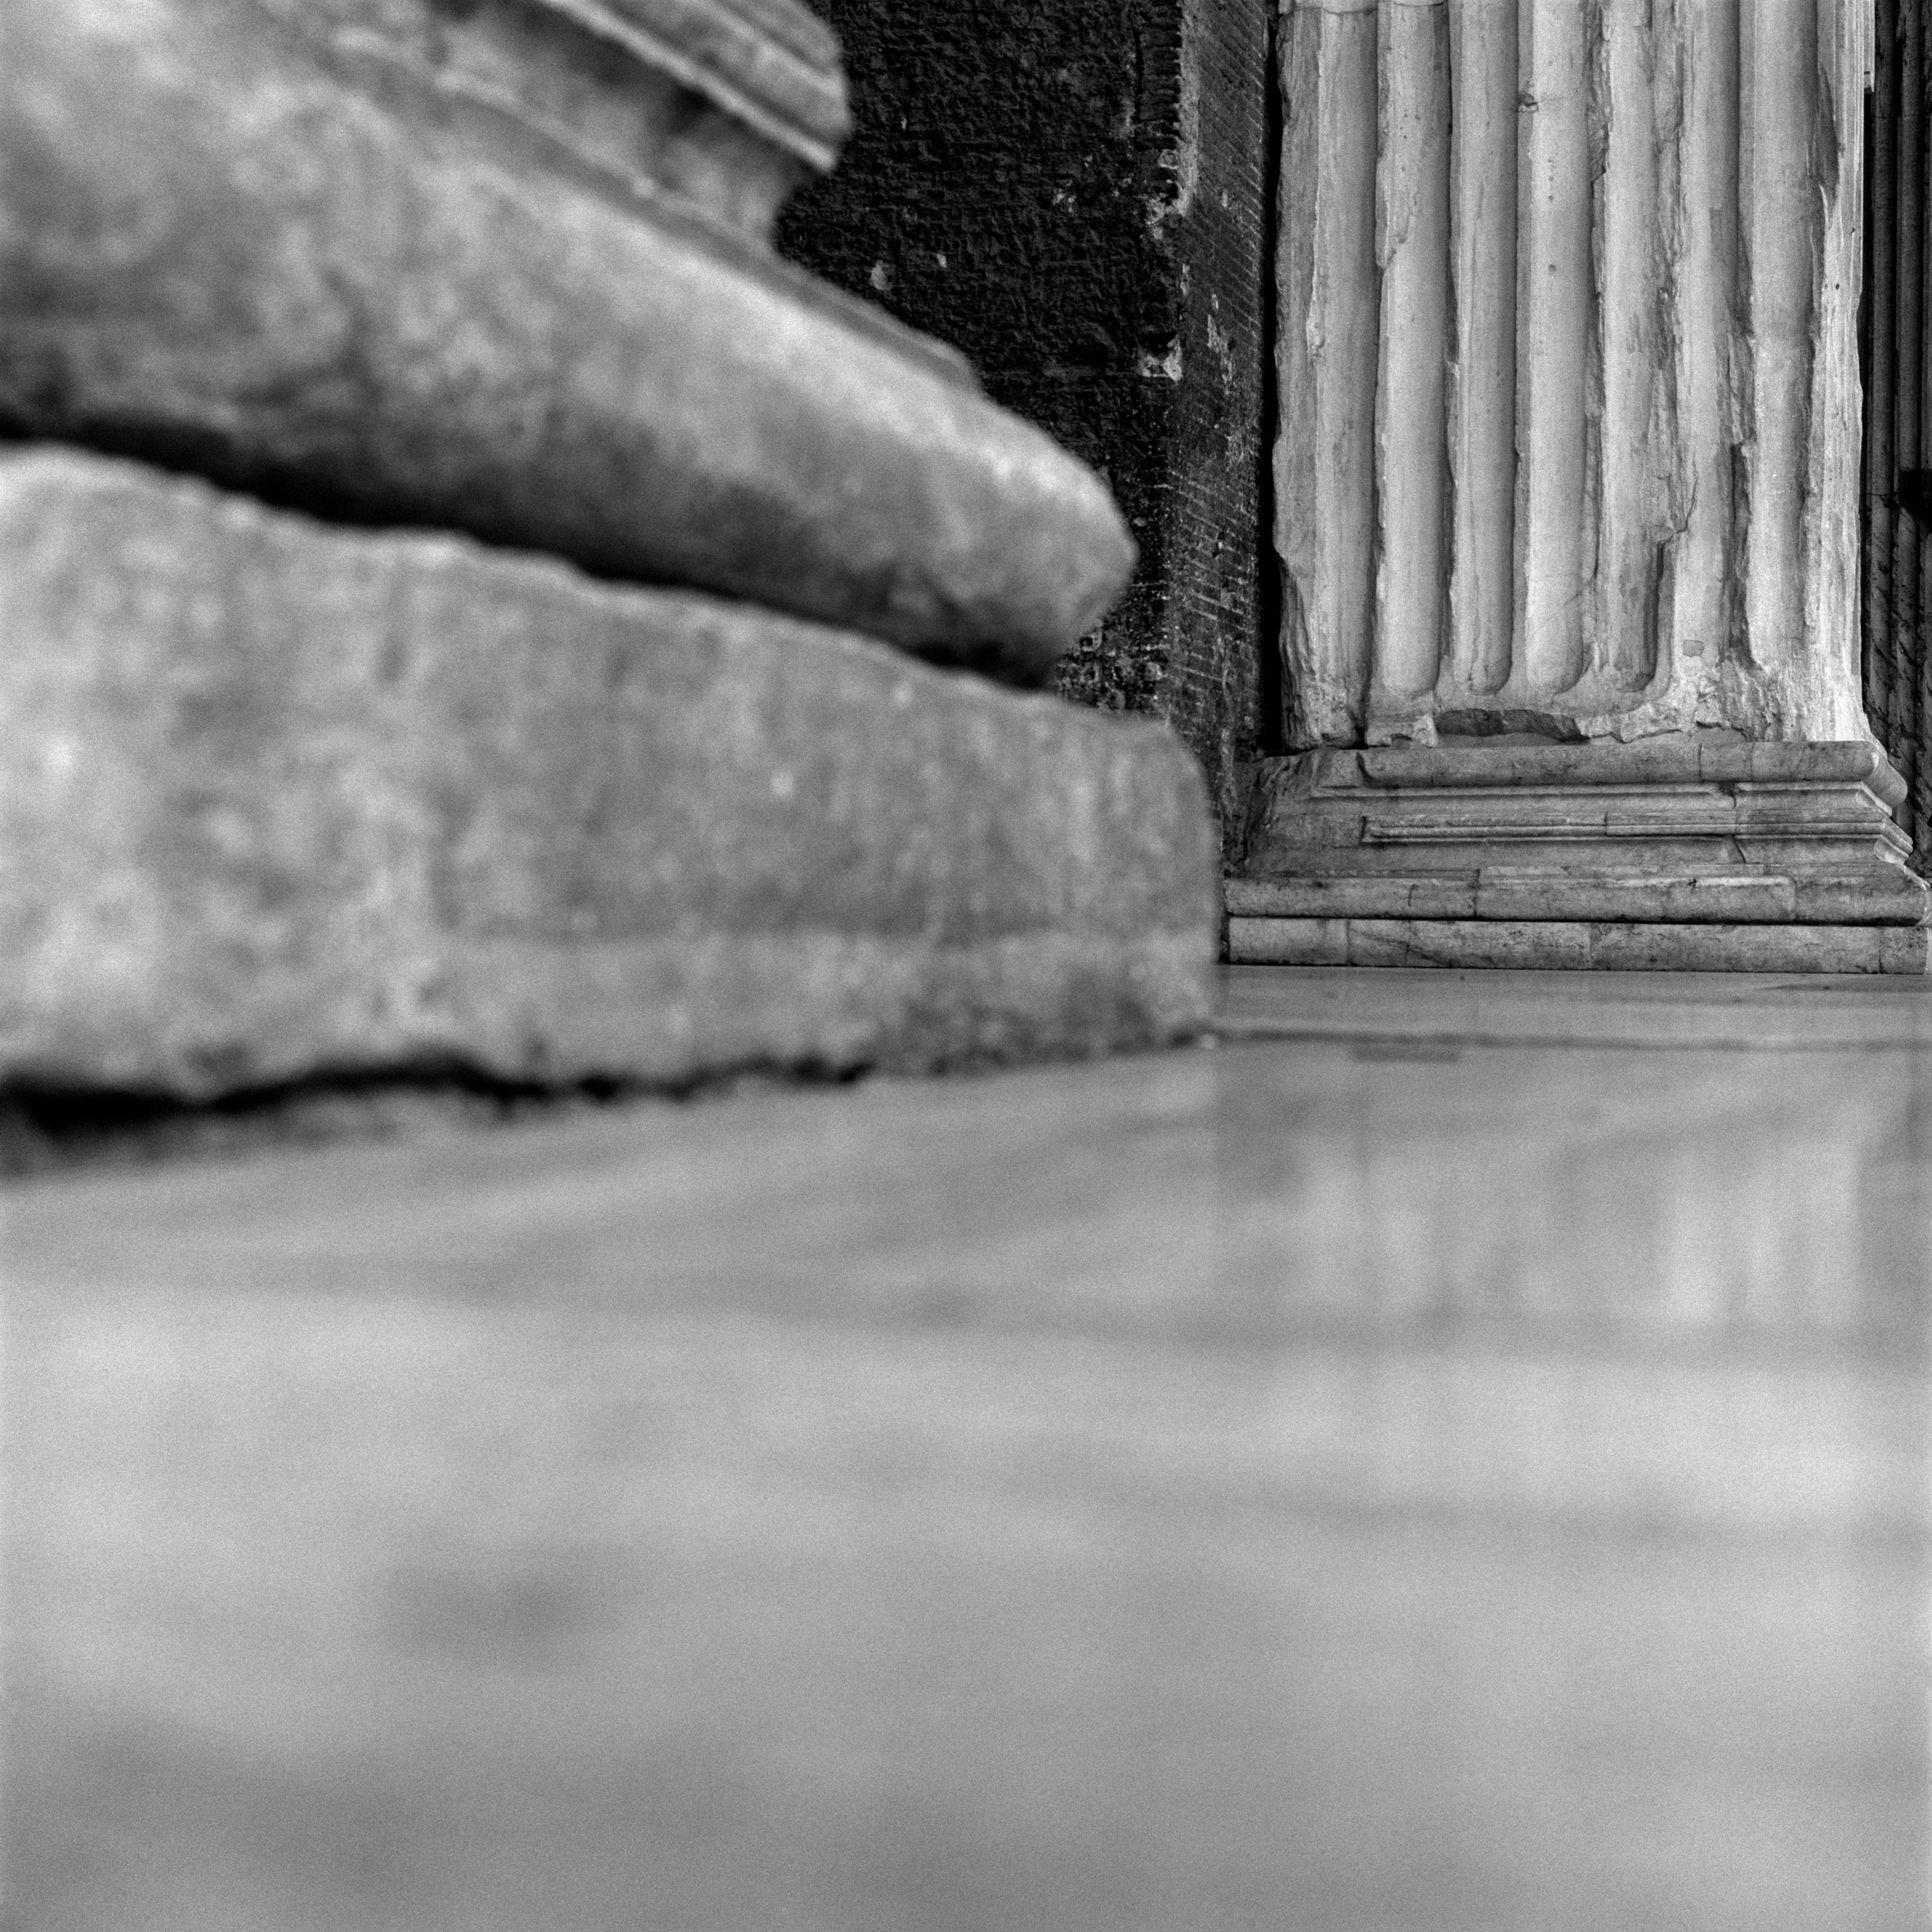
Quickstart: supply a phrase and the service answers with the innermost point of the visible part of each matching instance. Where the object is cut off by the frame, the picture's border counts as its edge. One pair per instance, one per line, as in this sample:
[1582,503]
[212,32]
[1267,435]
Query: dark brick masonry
[1075,195]
[1894,354]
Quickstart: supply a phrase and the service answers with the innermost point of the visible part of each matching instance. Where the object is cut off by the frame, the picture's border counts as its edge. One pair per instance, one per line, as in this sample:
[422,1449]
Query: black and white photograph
[965,966]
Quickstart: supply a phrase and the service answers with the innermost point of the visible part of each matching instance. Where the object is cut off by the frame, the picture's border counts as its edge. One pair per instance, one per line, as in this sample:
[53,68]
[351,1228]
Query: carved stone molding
[219,254]
[1693,830]
[1734,831]
[728,104]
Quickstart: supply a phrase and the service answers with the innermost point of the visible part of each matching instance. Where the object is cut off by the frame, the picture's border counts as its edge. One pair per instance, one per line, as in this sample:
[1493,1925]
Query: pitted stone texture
[219,254]
[277,800]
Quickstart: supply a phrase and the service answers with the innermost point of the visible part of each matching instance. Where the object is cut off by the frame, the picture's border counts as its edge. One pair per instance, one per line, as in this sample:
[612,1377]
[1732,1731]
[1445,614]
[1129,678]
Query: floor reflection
[1393,1480]
[1683,1190]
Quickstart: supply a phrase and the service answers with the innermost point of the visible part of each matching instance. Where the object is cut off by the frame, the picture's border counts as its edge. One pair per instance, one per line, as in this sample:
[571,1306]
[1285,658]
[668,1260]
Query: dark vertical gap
[1911,701]
[1271,725]
[1878,356]
[1908,229]
[1868,587]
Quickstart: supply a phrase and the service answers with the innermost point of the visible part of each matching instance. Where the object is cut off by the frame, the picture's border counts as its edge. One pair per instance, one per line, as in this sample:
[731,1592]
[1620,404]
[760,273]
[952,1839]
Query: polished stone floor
[1450,1456]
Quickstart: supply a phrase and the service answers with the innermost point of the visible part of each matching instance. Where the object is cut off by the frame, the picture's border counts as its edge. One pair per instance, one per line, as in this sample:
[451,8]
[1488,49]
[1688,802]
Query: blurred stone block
[219,252]
[278,800]
[729,103]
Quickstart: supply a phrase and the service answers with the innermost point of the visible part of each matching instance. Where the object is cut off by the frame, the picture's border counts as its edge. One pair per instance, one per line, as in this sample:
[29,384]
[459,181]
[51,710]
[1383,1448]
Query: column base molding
[1698,851]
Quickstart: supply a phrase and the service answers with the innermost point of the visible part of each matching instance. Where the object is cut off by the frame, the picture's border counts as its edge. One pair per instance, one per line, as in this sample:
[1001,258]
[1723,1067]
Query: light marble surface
[1451,1456]
[1543,945]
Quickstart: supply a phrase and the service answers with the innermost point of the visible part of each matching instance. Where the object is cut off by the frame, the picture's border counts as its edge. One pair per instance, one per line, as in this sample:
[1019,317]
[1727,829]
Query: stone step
[279,801]
[218,252]
[1604,946]
[1892,896]
[1687,826]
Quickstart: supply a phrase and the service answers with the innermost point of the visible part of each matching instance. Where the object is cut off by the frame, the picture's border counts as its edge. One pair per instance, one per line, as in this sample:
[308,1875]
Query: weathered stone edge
[794,97]
[198,708]
[217,255]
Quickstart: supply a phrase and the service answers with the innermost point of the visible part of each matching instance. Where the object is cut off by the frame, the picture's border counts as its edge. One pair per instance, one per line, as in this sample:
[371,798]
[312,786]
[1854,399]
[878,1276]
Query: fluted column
[1482,353]
[1413,329]
[1568,365]
[1325,460]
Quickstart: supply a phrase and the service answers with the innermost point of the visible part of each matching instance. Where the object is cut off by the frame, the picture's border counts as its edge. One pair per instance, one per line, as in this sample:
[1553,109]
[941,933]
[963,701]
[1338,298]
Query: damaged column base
[1698,851]
[279,802]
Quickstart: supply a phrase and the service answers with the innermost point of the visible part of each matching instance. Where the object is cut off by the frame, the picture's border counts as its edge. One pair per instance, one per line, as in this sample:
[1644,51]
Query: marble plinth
[220,253]
[1545,944]
[279,801]
[1353,854]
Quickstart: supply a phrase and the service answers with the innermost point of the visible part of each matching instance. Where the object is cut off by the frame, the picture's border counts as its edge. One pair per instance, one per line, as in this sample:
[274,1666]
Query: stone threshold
[1579,945]
[1885,896]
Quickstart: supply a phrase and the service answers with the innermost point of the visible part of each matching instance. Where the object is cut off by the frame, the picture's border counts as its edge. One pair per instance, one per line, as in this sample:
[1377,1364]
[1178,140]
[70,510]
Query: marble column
[1569,448]
[1567,364]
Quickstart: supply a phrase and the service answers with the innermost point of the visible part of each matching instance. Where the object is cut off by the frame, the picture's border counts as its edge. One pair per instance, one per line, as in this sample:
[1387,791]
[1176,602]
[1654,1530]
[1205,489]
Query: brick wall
[1075,195]
[1894,343]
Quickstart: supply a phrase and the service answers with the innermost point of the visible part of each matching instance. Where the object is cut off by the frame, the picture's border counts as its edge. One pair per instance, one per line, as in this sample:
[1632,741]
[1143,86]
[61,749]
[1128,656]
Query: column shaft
[1327,357]
[1482,367]
[1413,257]
[1623,468]
[1695,87]
[1611,290]
[1553,302]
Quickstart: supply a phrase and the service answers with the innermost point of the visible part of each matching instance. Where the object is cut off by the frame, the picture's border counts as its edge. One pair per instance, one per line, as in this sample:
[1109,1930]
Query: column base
[1698,851]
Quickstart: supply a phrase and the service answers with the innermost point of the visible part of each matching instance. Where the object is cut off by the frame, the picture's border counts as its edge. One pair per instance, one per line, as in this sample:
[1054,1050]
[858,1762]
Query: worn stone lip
[772,64]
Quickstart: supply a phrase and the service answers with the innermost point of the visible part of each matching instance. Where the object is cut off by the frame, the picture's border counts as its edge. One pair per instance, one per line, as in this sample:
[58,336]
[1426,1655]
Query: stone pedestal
[280,802]
[1567,489]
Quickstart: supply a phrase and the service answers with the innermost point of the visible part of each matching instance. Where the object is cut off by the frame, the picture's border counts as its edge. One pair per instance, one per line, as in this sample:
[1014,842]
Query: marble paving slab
[1813,1011]
[1417,1484]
